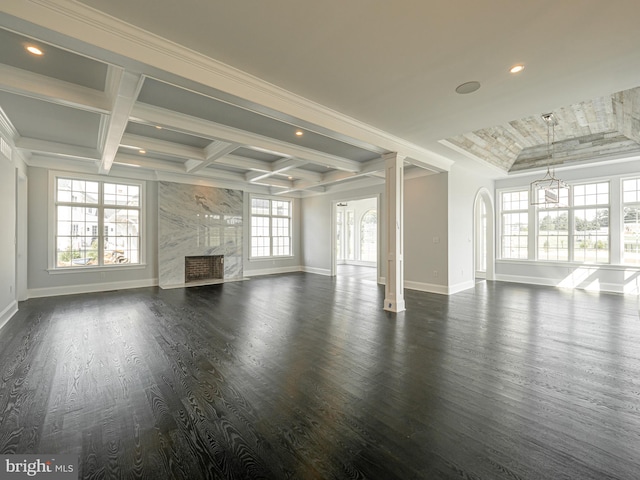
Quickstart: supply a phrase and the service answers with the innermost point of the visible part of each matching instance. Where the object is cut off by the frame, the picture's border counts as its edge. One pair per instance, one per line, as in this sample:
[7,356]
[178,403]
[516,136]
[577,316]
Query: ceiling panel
[256,154]
[47,121]
[56,63]
[166,135]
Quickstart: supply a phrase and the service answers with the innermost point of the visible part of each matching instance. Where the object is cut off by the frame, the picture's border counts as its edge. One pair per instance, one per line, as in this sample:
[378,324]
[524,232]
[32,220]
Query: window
[368,236]
[574,230]
[591,223]
[631,221]
[270,227]
[553,229]
[83,208]
[515,224]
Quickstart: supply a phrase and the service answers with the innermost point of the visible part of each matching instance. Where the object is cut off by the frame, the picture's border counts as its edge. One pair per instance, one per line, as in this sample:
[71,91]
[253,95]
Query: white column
[394,202]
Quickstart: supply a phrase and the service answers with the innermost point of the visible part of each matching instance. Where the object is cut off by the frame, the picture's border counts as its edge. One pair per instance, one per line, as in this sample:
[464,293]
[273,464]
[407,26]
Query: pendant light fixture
[546,191]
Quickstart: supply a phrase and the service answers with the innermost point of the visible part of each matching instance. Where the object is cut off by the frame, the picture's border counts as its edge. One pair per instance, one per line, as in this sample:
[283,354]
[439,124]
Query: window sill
[269,259]
[103,268]
[551,263]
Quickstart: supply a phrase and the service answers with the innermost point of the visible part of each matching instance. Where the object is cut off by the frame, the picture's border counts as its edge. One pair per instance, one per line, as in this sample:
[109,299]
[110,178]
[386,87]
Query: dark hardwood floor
[303,376]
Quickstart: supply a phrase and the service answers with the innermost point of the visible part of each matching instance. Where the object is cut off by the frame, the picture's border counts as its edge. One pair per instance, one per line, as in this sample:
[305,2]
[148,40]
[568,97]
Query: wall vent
[5,149]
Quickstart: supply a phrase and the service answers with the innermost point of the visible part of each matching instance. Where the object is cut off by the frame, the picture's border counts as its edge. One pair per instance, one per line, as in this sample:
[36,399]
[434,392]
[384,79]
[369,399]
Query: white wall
[46,283]
[270,266]
[8,233]
[463,188]
[611,277]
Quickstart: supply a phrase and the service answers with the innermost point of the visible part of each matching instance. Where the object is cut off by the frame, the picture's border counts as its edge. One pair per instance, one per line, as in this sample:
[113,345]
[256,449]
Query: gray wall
[425,233]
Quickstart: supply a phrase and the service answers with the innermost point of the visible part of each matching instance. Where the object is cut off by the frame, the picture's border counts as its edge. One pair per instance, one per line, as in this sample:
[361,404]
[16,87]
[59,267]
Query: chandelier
[547,190]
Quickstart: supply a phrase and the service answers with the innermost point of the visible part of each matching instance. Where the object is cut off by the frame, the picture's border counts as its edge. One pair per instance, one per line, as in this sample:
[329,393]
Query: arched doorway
[484,236]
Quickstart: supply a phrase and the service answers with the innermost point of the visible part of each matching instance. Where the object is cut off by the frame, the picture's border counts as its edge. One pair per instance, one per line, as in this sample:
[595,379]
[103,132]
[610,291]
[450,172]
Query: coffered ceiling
[216,91]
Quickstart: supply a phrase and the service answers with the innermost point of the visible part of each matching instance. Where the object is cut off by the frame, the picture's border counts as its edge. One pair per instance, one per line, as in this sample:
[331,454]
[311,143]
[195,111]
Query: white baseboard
[90,288]
[439,289]
[7,313]
[271,271]
[317,271]
[563,283]
[459,287]
[426,287]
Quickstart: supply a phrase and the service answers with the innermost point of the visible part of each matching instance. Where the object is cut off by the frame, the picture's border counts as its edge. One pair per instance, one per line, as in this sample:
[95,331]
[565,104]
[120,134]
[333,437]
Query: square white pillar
[394,201]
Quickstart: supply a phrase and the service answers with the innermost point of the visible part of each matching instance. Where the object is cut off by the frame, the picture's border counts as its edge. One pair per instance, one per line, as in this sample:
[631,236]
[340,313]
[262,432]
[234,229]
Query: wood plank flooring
[302,376]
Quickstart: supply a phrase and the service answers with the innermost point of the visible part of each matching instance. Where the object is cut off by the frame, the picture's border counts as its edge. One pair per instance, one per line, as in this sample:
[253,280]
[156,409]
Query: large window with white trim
[96,223]
[514,224]
[270,227]
[576,229]
[553,229]
[631,221]
[591,222]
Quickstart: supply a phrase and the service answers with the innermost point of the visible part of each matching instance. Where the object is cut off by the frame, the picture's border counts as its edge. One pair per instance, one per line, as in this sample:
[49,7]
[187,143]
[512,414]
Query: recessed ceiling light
[34,50]
[468,87]
[158,127]
[142,151]
[290,178]
[517,68]
[299,133]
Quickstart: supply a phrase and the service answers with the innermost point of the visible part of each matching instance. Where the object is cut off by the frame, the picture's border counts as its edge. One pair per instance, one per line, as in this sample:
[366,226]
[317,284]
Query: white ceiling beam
[28,84]
[274,182]
[212,172]
[369,168]
[196,126]
[124,99]
[304,174]
[244,162]
[163,147]
[277,167]
[147,163]
[213,152]
[167,167]
[35,145]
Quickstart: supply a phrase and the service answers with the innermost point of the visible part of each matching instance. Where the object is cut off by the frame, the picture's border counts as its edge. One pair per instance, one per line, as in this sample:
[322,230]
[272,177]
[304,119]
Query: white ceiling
[230,82]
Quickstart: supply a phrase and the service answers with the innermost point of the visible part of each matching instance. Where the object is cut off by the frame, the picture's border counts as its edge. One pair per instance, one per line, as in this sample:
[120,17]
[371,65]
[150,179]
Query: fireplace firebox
[203,267]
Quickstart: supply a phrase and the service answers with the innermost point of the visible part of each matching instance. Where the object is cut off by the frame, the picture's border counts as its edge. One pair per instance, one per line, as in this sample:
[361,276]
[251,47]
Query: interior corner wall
[8,233]
[254,267]
[425,233]
[464,185]
[42,283]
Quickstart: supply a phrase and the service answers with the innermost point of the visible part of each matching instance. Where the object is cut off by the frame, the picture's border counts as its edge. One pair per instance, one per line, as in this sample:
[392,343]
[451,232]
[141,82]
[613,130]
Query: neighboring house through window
[96,222]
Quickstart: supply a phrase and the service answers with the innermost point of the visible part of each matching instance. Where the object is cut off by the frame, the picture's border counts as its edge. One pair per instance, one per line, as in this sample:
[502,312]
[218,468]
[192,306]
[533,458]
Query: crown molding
[83,23]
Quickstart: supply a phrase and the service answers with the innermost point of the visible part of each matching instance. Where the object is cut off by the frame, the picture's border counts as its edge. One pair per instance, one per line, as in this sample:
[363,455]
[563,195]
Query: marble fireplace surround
[196,220]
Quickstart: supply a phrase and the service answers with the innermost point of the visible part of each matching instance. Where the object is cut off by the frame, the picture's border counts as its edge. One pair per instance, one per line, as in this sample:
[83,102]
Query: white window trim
[291,228]
[615,207]
[500,238]
[51,227]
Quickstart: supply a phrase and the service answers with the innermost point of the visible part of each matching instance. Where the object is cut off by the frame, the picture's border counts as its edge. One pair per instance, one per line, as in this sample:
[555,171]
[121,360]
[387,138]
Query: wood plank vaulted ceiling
[215,91]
